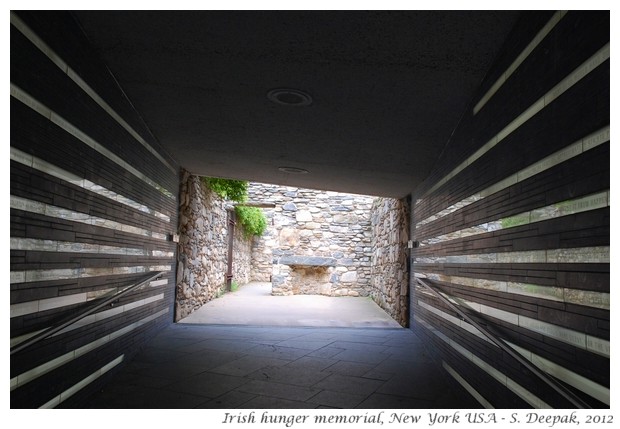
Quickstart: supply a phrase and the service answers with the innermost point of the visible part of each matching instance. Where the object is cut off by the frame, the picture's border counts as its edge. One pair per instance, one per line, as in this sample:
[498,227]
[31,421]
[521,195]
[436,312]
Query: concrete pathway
[254,305]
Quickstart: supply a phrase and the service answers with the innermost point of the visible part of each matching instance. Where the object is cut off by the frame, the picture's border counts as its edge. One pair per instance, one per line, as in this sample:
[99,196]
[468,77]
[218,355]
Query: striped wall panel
[514,222]
[93,202]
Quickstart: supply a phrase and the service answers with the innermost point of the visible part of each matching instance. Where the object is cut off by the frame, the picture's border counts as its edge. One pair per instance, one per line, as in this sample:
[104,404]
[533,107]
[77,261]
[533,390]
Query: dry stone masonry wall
[389,273]
[203,247]
[317,242]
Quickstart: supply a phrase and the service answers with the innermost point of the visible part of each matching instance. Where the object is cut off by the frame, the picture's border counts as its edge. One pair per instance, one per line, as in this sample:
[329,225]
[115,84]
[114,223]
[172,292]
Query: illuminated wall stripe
[577,148]
[560,209]
[57,400]
[579,382]
[102,315]
[31,206]
[553,293]
[473,392]
[48,168]
[58,120]
[499,376]
[579,73]
[77,273]
[571,378]
[580,255]
[30,307]
[53,56]
[53,364]
[560,333]
[520,58]
[40,245]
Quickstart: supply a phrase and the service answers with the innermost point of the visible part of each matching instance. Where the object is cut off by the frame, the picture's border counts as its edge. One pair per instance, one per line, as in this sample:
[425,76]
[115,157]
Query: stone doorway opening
[317,243]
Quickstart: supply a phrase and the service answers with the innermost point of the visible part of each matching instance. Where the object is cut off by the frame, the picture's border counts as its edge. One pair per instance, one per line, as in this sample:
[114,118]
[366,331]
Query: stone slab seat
[310,261]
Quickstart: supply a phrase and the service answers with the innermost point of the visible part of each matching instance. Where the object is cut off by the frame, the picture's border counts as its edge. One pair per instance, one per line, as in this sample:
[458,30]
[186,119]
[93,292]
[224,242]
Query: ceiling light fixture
[293,170]
[289,97]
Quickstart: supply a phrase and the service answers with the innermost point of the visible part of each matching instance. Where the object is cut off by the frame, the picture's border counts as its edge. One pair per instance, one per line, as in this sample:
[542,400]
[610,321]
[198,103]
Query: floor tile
[228,345]
[382,401]
[360,338]
[361,347]
[378,375]
[298,376]
[166,370]
[247,365]
[278,390]
[359,356]
[276,352]
[355,369]
[312,363]
[228,400]
[208,384]
[304,344]
[348,384]
[334,399]
[206,359]
[326,352]
[269,402]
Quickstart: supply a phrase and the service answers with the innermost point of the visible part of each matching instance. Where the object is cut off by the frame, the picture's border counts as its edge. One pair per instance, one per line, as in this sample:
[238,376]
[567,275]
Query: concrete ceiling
[388,88]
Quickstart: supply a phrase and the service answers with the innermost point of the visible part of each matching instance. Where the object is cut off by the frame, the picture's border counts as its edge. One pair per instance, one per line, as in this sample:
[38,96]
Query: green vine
[252,219]
[228,189]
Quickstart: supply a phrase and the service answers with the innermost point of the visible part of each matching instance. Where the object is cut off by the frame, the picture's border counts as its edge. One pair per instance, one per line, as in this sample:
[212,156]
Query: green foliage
[234,286]
[252,219]
[228,189]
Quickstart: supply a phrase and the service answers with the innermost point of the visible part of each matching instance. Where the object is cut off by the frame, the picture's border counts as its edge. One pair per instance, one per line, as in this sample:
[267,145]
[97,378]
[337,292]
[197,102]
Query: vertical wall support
[231,240]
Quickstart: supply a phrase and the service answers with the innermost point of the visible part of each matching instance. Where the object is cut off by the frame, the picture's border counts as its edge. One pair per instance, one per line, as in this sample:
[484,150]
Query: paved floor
[254,305]
[326,353]
[199,366]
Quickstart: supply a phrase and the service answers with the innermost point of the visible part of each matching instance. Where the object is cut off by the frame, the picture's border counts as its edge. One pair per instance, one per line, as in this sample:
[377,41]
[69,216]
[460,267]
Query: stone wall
[203,247]
[307,222]
[389,273]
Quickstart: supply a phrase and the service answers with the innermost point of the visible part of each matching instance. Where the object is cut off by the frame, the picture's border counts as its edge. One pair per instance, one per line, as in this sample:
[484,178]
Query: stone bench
[307,261]
[300,274]
[312,275]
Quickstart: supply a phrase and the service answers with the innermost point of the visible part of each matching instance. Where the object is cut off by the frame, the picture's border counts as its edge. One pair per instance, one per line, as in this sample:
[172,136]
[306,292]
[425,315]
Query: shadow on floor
[220,366]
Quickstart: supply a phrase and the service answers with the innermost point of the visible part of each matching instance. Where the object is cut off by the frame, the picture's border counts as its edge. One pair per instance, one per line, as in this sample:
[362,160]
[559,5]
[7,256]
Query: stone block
[303,216]
[289,236]
[325,289]
[348,277]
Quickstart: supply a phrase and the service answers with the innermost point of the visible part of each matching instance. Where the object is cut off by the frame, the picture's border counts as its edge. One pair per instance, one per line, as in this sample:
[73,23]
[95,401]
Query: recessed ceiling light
[289,97]
[293,170]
